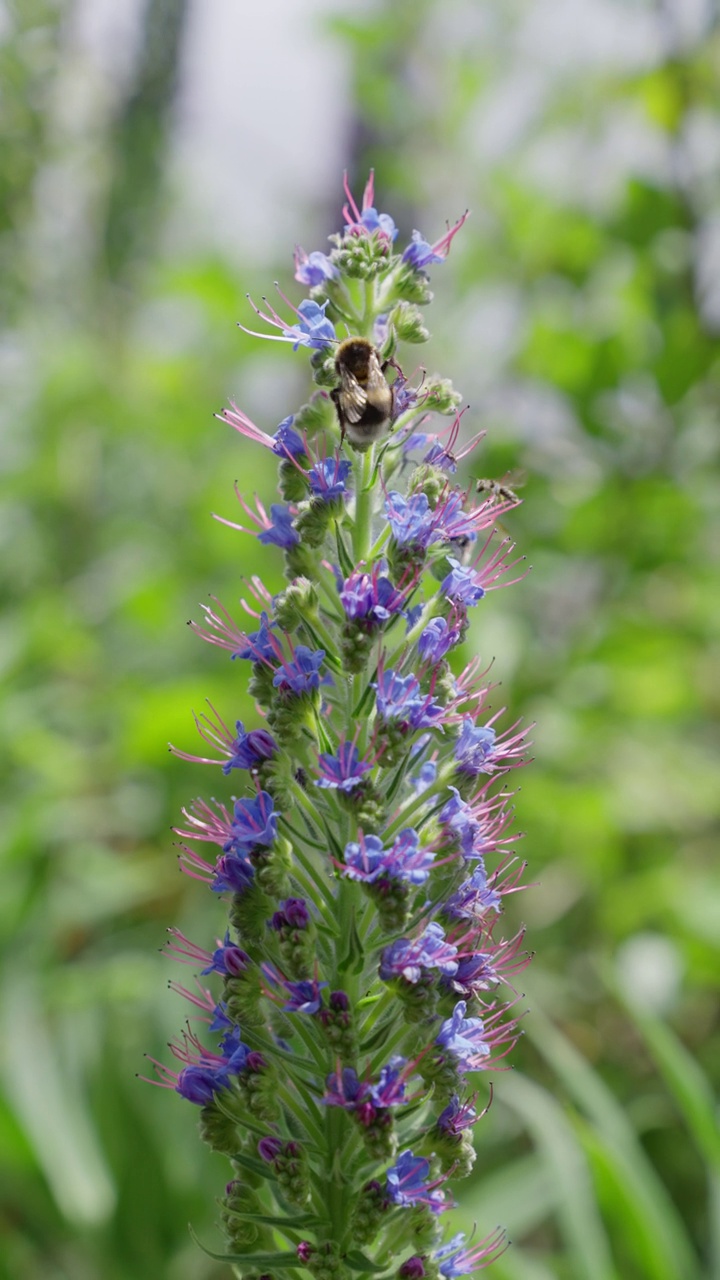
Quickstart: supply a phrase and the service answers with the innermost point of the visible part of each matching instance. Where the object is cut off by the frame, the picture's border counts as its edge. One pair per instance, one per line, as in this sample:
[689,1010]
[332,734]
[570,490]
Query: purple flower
[399,698]
[459,819]
[464,1038]
[287,441]
[235,1052]
[407,1183]
[369,597]
[473,898]
[228,959]
[250,749]
[390,1088]
[364,861]
[327,478]
[439,455]
[474,747]
[260,646]
[280,532]
[233,874]
[344,1089]
[305,997]
[406,860]
[457,1116]
[437,639]
[411,520]
[461,585]
[292,914]
[313,268]
[407,958]
[254,823]
[301,674]
[199,1083]
[344,771]
[269,1149]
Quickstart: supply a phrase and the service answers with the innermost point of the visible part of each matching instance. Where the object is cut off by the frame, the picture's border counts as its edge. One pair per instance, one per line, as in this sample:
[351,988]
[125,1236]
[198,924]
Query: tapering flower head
[361,843]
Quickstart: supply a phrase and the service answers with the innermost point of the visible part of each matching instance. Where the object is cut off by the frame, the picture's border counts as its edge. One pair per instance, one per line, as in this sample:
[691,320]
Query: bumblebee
[364,400]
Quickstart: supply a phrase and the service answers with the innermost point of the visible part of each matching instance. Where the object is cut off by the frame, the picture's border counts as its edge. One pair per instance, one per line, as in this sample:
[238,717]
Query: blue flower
[407,958]
[301,674]
[399,698]
[457,1116]
[461,585]
[233,874]
[280,532]
[369,597]
[369,861]
[407,1183]
[437,639]
[473,898]
[313,268]
[390,1088]
[312,329]
[419,253]
[250,749]
[474,747]
[305,997]
[410,520]
[254,823]
[228,959]
[458,817]
[260,646]
[464,1038]
[364,861]
[327,478]
[287,440]
[199,1084]
[344,771]
[344,1089]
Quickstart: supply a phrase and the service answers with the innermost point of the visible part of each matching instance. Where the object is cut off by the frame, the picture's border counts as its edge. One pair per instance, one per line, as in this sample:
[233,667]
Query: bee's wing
[354,397]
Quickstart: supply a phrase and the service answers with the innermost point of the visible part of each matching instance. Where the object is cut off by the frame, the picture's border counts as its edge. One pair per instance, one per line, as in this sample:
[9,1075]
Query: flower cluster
[363,976]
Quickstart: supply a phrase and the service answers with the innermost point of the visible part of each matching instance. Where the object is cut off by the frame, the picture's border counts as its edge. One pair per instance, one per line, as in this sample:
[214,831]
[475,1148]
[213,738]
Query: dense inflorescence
[366,855]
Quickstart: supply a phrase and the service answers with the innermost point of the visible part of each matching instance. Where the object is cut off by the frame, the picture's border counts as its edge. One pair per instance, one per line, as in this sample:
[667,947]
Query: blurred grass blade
[695,1099]
[50,1111]
[583,1232]
[521,1194]
[684,1078]
[655,1215]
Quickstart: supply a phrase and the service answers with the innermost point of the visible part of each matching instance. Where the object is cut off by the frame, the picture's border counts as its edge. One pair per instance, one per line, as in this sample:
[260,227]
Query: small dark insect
[301,778]
[495,489]
[364,399]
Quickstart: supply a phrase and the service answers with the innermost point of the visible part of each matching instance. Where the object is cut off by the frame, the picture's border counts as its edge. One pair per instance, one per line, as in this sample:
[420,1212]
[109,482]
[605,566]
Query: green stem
[405,812]
[362,525]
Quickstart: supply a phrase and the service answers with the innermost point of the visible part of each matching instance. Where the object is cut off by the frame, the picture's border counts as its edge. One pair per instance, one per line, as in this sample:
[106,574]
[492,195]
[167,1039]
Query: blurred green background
[157,160]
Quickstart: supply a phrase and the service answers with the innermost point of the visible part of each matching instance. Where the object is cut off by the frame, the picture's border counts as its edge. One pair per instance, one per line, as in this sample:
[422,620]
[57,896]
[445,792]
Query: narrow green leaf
[346,564]
[253,1261]
[357,1261]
